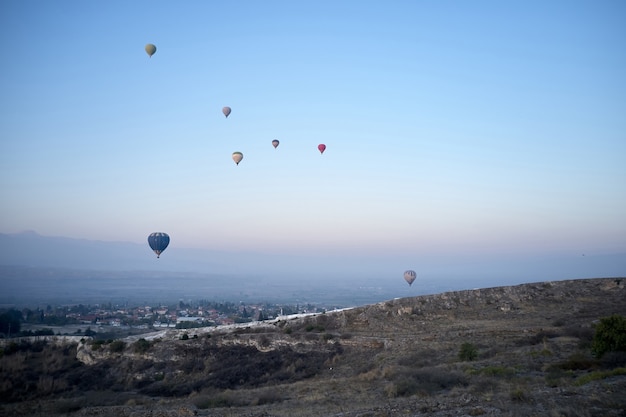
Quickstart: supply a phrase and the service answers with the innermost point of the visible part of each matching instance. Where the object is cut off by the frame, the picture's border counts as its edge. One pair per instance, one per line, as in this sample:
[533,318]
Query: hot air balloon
[150,49]
[275,143]
[226,110]
[237,157]
[409,276]
[321,147]
[158,241]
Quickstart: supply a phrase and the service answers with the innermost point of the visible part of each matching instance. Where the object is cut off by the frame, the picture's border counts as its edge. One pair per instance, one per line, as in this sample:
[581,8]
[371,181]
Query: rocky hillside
[508,351]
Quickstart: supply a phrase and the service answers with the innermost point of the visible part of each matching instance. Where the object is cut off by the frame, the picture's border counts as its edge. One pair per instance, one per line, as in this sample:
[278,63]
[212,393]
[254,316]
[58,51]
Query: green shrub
[540,337]
[96,344]
[610,336]
[405,382]
[311,327]
[67,405]
[268,396]
[468,352]
[404,387]
[599,375]
[556,376]
[117,346]
[495,371]
[540,353]
[223,399]
[577,362]
[518,394]
[141,346]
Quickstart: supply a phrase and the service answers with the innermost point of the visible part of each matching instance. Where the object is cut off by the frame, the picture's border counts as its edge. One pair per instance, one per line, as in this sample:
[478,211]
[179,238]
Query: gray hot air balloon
[158,241]
[409,276]
[226,110]
[150,49]
[275,143]
[237,157]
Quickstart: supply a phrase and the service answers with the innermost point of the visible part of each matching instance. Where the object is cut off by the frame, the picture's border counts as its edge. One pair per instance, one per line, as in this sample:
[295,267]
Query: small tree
[610,336]
[117,346]
[141,346]
[468,352]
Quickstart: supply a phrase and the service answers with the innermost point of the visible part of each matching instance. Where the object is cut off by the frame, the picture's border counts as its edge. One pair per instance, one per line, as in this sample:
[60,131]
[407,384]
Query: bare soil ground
[507,351]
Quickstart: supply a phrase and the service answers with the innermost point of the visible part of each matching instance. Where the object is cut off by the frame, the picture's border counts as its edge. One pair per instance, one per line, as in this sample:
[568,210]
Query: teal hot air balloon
[150,49]
[158,241]
[409,276]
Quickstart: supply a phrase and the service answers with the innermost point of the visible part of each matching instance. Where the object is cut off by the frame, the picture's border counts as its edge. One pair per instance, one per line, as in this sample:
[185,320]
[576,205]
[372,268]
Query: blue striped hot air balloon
[158,241]
[409,276]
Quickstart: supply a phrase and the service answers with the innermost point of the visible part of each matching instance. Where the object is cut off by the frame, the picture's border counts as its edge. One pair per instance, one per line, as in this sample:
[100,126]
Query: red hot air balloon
[321,147]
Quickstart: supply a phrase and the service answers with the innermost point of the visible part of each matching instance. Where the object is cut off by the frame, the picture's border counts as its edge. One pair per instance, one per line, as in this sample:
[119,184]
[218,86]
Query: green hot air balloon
[237,157]
[150,49]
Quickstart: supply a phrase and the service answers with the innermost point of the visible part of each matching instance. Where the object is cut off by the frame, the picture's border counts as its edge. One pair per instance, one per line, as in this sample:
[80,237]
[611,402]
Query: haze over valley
[37,269]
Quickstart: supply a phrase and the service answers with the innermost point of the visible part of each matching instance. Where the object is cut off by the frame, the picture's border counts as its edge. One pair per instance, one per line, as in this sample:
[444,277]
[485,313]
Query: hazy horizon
[33,267]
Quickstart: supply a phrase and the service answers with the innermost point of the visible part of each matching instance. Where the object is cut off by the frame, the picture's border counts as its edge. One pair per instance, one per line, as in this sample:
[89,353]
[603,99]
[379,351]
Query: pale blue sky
[452,127]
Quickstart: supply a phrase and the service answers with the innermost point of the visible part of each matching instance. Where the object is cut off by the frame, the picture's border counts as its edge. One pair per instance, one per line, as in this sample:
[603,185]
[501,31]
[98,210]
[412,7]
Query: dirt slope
[529,345]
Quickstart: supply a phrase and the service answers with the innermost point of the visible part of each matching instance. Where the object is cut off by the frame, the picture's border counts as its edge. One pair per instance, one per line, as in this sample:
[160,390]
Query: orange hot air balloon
[321,147]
